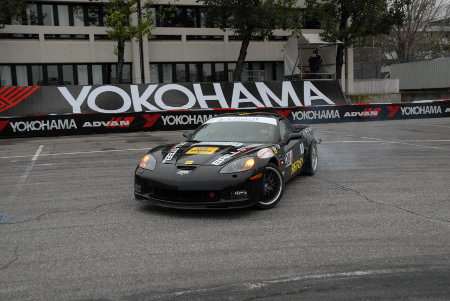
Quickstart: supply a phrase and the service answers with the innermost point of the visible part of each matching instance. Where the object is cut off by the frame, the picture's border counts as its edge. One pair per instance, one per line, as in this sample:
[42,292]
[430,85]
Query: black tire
[273,174]
[312,160]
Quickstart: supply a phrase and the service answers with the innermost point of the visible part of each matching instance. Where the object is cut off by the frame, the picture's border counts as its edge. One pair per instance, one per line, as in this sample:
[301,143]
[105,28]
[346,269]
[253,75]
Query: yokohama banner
[118,99]
[75,124]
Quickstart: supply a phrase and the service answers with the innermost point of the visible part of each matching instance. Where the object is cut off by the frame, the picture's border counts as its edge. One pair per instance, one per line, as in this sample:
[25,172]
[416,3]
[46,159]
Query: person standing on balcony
[315,62]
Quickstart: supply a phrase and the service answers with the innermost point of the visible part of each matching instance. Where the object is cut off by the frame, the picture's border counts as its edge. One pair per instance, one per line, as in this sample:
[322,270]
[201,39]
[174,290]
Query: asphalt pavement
[373,224]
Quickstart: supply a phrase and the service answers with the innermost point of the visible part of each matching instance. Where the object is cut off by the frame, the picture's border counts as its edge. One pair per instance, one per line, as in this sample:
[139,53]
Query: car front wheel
[312,160]
[273,185]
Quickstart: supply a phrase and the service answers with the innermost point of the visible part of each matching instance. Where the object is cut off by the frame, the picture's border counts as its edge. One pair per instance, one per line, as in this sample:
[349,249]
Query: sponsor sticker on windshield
[202,150]
[235,144]
[254,119]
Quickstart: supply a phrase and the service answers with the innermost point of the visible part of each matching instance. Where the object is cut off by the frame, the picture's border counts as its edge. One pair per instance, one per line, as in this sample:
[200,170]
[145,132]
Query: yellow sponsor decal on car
[190,162]
[296,166]
[202,150]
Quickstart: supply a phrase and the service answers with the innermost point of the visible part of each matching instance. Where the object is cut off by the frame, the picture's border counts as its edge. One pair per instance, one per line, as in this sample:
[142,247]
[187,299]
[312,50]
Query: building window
[37,75]
[94,17]
[203,21]
[66,37]
[78,15]
[97,74]
[279,71]
[63,15]
[221,74]
[180,75]
[82,75]
[195,73]
[154,73]
[126,73]
[207,72]
[204,38]
[52,75]
[164,37]
[113,74]
[5,76]
[182,16]
[231,68]
[189,17]
[62,74]
[167,73]
[47,15]
[21,75]
[32,14]
[215,72]
[177,16]
[67,75]
[126,76]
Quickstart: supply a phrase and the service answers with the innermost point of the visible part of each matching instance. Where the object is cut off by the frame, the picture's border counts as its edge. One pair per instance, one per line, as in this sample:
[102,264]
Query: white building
[65,42]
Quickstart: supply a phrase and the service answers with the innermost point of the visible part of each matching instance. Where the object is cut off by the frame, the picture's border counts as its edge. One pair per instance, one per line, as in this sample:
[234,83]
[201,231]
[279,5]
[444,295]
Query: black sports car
[231,161]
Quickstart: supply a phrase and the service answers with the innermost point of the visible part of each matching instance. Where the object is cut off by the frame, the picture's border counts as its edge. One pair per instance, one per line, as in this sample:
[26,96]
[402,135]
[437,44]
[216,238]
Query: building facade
[66,42]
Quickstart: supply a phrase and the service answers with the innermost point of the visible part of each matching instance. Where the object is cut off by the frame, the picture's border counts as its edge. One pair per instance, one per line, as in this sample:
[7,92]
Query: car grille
[185,196]
[171,194]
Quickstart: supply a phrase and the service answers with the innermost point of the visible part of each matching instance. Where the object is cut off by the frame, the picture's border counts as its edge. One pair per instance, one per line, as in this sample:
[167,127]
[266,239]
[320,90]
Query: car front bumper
[204,188]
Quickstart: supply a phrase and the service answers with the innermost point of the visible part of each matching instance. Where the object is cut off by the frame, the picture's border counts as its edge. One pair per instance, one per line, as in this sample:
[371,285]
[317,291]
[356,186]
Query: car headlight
[148,162]
[239,165]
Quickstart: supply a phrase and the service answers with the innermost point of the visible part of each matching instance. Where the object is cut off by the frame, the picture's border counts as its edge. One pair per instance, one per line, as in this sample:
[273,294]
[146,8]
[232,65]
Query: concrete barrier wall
[376,87]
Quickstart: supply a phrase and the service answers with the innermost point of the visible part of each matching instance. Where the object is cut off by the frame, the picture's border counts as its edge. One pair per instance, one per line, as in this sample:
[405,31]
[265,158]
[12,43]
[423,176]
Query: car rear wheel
[273,185]
[312,161]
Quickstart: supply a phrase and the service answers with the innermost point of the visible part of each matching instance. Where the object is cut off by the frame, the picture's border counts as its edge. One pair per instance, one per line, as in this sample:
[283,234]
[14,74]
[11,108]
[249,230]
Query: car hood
[206,153]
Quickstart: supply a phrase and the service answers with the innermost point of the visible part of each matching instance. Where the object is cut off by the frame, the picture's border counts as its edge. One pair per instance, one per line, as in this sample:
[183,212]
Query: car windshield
[236,132]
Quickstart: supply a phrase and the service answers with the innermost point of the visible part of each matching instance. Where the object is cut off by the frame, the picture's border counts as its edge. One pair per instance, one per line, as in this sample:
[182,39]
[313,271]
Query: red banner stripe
[5,94]
[14,99]
[18,90]
[30,91]
[2,89]
[18,97]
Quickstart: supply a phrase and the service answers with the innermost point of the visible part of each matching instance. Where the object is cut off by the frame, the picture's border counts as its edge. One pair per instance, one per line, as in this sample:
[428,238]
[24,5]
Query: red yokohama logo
[12,96]
[150,120]
[284,113]
[3,124]
[393,111]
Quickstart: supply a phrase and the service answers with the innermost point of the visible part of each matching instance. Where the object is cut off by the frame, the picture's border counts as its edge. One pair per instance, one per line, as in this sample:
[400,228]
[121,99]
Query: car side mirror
[187,134]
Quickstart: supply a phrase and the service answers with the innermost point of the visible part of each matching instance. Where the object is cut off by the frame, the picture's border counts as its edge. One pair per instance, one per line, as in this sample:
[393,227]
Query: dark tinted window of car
[237,132]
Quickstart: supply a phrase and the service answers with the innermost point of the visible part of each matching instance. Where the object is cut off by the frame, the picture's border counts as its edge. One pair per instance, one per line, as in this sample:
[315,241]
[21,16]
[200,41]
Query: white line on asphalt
[404,143]
[30,167]
[38,152]
[376,140]
[338,275]
[368,140]
[439,126]
[45,164]
[295,278]
[23,178]
[349,141]
[425,140]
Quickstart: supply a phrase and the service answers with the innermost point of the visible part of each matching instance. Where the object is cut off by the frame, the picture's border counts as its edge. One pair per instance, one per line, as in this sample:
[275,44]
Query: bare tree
[417,17]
